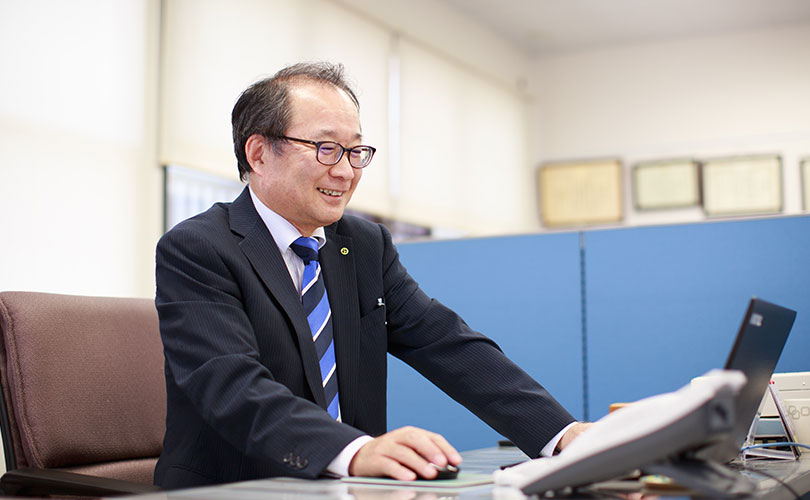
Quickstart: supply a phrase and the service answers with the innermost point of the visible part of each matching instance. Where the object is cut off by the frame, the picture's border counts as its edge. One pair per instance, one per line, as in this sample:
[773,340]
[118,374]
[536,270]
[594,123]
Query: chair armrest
[44,482]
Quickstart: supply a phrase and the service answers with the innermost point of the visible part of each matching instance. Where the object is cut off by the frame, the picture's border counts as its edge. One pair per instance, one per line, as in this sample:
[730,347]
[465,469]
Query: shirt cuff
[339,466]
[548,449]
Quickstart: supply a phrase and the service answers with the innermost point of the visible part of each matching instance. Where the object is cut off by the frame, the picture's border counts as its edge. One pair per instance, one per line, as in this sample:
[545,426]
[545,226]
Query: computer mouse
[447,472]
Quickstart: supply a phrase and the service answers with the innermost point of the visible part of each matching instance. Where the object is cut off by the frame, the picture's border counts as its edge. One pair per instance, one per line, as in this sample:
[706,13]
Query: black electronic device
[447,472]
[756,350]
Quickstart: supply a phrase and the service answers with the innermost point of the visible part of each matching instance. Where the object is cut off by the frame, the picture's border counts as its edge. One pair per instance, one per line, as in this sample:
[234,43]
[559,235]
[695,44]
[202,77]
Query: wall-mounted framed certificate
[744,185]
[580,193]
[666,184]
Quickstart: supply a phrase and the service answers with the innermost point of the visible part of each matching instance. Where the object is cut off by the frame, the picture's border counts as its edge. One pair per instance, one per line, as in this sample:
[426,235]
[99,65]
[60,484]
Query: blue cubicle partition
[660,305]
[665,303]
[521,291]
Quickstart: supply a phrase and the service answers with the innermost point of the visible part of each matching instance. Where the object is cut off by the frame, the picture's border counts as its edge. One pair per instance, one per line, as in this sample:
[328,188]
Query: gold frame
[580,193]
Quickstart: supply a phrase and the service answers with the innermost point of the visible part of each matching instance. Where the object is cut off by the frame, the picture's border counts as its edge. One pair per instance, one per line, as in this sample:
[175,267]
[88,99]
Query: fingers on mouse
[446,472]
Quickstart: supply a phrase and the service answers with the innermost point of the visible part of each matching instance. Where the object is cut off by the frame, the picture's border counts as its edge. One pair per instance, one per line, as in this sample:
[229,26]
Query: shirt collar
[280,228]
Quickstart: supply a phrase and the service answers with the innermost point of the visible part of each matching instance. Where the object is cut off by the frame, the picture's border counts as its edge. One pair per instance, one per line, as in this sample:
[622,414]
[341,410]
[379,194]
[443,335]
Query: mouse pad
[464,480]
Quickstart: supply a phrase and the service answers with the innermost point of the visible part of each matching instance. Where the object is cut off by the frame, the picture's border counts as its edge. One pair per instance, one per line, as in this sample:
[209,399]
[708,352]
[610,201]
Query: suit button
[301,463]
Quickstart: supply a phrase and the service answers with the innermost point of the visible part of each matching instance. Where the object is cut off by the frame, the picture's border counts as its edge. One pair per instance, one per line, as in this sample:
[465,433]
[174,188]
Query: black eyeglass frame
[343,150]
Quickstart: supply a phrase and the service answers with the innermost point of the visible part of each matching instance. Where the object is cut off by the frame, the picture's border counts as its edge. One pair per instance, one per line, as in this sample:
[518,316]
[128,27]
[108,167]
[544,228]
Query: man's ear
[255,147]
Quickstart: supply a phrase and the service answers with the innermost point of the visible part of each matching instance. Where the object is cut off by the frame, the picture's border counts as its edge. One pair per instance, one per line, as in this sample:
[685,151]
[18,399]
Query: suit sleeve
[214,366]
[465,364]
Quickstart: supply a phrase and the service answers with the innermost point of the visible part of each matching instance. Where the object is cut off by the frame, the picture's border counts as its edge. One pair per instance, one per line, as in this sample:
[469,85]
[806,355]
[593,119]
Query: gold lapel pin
[344,251]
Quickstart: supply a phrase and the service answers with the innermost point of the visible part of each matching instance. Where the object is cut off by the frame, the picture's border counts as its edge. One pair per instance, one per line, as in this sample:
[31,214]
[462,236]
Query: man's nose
[343,168]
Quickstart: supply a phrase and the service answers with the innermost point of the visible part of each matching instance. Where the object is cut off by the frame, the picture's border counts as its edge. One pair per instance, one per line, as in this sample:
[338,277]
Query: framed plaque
[742,185]
[666,184]
[580,193]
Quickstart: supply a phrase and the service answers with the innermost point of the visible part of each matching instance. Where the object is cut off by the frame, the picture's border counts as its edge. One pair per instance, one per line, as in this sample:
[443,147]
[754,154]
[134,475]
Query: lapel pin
[344,251]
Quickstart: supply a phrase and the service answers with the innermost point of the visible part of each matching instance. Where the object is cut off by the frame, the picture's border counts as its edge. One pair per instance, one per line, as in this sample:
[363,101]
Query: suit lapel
[262,252]
[338,267]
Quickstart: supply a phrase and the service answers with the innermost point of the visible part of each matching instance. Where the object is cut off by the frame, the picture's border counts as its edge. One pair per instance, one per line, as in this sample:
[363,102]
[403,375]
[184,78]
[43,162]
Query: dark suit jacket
[243,384]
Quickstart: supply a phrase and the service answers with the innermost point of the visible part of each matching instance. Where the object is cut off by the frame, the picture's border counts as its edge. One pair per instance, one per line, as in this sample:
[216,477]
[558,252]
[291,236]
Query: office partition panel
[521,291]
[664,303]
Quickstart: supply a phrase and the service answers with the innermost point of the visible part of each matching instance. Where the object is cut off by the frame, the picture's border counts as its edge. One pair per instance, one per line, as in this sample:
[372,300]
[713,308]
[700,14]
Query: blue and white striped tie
[319,315]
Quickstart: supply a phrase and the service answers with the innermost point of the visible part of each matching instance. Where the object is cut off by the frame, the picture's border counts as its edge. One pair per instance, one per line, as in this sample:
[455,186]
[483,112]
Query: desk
[795,474]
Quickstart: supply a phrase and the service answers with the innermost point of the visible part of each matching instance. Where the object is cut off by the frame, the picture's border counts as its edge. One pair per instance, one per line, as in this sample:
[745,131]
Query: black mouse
[447,472]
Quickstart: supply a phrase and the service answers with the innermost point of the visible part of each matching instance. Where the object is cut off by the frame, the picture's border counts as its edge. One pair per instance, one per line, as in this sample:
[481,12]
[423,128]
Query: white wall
[464,149]
[445,33]
[706,97]
[213,50]
[78,180]
[434,115]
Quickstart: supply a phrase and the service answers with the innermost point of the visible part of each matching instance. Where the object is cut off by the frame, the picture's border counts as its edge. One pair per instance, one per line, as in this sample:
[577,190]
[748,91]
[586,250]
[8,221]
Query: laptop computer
[756,350]
[708,421]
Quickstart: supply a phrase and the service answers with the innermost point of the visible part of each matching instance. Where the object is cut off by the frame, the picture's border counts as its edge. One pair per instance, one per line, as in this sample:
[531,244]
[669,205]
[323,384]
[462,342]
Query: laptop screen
[755,352]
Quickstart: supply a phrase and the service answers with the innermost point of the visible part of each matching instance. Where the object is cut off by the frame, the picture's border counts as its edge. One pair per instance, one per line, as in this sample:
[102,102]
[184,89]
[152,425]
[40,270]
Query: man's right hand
[404,454]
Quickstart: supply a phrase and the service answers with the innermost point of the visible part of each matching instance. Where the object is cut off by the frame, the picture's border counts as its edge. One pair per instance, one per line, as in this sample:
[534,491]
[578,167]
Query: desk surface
[776,481]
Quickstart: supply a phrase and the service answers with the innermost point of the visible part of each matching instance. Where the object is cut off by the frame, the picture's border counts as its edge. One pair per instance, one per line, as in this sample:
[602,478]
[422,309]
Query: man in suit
[252,390]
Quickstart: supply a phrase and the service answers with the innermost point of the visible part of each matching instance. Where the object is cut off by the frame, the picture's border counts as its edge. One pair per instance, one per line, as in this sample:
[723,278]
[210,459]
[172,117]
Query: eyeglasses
[330,152]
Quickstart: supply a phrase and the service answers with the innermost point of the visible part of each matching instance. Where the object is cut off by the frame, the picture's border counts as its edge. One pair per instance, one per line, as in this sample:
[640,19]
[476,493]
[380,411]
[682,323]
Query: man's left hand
[572,433]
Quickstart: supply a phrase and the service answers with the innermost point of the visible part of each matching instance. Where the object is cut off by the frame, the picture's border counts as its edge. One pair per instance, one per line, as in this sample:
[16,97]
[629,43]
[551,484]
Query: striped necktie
[319,315]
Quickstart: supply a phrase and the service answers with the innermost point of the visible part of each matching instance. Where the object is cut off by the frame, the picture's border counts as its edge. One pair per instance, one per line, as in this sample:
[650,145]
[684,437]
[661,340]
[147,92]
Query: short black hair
[264,107]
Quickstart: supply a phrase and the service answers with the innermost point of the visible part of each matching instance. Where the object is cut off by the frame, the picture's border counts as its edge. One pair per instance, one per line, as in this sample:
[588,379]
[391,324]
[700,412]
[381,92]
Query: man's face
[294,184]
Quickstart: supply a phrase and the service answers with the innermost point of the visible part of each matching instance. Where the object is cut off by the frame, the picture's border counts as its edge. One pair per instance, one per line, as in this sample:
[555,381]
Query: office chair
[83,399]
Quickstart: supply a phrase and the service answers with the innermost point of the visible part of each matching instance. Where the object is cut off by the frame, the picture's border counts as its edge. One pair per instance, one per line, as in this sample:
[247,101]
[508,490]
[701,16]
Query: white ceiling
[543,27]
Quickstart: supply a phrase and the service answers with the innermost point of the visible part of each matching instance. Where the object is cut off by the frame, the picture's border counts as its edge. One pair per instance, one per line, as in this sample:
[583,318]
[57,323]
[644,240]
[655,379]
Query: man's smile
[331,192]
